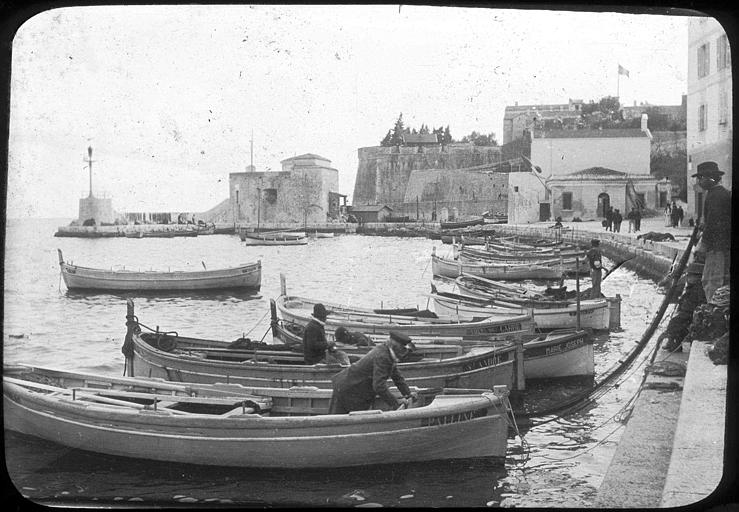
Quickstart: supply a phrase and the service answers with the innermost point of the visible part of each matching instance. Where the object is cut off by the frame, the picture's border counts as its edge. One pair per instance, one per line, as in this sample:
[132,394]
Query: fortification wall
[383,172]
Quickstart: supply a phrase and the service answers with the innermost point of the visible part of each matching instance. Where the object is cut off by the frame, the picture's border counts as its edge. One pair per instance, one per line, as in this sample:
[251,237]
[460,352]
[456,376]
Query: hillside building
[709,105]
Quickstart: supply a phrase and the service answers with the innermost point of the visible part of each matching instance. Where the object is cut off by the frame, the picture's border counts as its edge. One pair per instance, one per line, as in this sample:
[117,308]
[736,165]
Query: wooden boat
[499,255]
[559,353]
[134,234]
[159,234]
[567,266]
[182,359]
[298,310]
[274,238]
[593,313]
[248,276]
[227,425]
[454,268]
[462,224]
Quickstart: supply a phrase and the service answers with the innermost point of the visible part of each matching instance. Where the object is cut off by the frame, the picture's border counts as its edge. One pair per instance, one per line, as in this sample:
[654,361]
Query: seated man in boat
[315,346]
[356,387]
[344,335]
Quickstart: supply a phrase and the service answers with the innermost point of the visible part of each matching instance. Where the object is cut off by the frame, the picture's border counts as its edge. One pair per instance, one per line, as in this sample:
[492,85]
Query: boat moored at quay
[229,425]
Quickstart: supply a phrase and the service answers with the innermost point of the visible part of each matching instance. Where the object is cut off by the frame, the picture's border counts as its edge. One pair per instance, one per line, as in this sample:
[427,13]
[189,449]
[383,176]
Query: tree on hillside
[397,137]
[386,140]
[424,130]
[447,136]
[480,139]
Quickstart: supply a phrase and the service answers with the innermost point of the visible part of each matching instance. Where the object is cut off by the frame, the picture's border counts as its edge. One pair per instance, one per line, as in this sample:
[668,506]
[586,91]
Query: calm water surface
[561,463]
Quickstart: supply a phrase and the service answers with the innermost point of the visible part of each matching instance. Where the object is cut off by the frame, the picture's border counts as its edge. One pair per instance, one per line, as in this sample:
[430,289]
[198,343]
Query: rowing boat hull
[84,278]
[269,241]
[298,310]
[481,368]
[454,268]
[594,313]
[559,356]
[452,426]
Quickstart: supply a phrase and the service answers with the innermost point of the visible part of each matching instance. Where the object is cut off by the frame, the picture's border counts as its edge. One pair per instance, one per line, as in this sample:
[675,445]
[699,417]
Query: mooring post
[283,286]
[520,375]
[577,288]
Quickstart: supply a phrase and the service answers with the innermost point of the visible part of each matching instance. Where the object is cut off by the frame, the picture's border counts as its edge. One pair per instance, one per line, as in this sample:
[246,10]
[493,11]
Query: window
[703,60]
[723,57]
[723,106]
[702,118]
[567,200]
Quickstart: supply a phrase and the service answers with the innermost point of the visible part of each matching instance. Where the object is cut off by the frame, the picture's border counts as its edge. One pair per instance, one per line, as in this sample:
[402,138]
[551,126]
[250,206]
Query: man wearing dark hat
[314,337]
[595,262]
[715,239]
[356,387]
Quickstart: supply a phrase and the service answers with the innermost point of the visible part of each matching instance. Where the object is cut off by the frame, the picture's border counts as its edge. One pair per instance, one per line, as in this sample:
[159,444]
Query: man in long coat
[715,240]
[356,387]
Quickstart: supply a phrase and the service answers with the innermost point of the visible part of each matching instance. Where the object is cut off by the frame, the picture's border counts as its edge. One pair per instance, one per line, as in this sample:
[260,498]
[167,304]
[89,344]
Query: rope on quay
[583,399]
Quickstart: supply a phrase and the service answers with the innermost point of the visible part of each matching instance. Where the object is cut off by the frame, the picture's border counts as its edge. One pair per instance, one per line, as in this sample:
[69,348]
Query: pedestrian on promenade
[680,216]
[715,224]
[617,219]
[637,219]
[355,388]
[609,219]
[595,261]
[631,218]
[673,215]
[668,215]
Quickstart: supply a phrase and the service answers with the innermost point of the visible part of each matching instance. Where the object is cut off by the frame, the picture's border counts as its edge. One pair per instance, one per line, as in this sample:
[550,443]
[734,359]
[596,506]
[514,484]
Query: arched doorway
[604,201]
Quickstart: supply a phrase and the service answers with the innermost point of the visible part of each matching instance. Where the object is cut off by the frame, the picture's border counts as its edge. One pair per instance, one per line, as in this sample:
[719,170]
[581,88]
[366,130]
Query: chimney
[644,127]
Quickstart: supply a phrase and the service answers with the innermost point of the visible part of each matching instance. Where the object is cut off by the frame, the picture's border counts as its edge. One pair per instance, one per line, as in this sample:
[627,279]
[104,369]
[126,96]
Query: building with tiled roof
[520,119]
[588,193]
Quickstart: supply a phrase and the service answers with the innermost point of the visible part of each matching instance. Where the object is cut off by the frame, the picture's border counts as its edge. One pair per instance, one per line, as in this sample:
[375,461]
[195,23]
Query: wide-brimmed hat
[708,170]
[401,338]
[319,311]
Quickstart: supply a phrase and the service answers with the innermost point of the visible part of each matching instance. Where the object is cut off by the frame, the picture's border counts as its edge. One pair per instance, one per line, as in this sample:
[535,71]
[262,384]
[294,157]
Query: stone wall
[383,172]
[286,197]
[98,208]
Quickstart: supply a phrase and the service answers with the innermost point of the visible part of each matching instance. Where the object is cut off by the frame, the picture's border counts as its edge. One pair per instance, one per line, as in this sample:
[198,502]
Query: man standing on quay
[715,240]
[595,262]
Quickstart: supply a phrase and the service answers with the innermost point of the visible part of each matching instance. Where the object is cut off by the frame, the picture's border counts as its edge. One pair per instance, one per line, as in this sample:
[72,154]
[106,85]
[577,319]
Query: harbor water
[559,463]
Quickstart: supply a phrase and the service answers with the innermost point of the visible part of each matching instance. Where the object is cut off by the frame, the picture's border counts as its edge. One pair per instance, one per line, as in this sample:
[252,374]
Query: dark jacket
[314,342]
[717,219]
[355,387]
[594,256]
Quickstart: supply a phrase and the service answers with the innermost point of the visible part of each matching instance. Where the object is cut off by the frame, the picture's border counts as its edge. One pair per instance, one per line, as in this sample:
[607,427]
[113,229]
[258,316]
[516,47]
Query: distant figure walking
[680,216]
[668,215]
[631,218]
[617,219]
[637,219]
[673,215]
[609,219]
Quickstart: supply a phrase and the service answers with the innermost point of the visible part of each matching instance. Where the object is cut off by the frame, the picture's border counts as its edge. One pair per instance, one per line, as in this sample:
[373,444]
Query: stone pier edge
[672,451]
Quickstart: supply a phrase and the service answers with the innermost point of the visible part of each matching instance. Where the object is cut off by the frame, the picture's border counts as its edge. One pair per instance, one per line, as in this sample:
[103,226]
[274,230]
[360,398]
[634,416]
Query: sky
[169,96]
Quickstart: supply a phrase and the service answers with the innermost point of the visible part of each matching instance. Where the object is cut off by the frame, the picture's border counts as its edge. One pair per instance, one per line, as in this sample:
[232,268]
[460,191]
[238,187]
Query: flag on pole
[623,71]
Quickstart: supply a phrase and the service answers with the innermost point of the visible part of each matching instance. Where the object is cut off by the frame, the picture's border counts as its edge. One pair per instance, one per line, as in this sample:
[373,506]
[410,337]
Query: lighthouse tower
[98,208]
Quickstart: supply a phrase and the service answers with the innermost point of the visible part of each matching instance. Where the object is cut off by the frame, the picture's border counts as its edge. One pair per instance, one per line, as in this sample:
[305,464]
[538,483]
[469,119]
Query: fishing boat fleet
[251,403]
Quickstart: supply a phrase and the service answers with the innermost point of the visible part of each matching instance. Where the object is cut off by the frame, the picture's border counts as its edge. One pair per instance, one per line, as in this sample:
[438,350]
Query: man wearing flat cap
[356,387]
[314,337]
[715,223]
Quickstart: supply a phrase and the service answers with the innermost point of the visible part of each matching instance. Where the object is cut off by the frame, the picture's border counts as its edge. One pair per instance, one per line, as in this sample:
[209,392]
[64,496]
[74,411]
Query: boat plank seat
[261,401]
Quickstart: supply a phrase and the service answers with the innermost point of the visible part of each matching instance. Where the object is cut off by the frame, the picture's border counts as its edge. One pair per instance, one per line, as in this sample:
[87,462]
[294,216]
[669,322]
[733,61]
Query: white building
[709,119]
